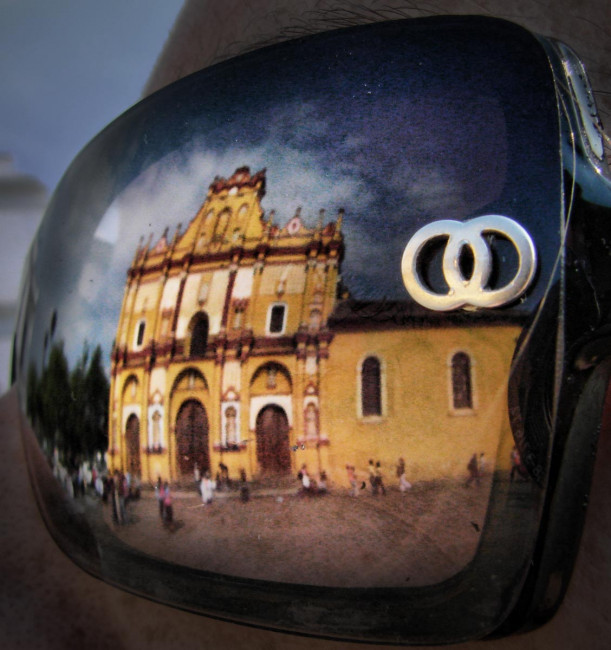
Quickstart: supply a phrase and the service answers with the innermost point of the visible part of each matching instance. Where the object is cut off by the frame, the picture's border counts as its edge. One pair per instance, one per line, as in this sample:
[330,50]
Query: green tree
[76,424]
[96,391]
[69,408]
[55,398]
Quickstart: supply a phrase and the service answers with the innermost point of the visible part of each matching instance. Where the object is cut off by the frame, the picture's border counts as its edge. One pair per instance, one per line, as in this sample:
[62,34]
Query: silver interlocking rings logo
[471,291]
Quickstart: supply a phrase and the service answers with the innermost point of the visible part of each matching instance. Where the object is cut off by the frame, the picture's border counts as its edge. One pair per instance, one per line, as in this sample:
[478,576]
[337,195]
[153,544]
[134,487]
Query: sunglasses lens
[289,331]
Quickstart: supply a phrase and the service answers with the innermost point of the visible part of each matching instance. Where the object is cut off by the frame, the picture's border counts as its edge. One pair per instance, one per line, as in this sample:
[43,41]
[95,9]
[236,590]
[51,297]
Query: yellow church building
[234,346]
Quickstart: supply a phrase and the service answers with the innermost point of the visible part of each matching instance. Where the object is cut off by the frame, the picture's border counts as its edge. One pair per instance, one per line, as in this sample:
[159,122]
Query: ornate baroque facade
[234,347]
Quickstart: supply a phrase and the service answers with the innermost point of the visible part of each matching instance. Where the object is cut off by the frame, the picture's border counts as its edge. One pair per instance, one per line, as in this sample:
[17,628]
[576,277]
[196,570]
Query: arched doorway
[273,451]
[132,445]
[192,438]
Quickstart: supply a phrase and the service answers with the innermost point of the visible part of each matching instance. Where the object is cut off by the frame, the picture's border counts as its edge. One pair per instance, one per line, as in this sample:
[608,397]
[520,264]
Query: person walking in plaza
[118,498]
[168,508]
[379,479]
[372,478]
[223,482]
[516,465]
[404,484]
[114,497]
[481,465]
[123,491]
[304,477]
[159,493]
[244,489]
[350,470]
[207,488]
[322,482]
[473,469]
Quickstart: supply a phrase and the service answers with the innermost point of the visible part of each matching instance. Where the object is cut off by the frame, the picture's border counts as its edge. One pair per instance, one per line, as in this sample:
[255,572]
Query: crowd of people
[311,486]
[116,489]
[119,488]
[376,478]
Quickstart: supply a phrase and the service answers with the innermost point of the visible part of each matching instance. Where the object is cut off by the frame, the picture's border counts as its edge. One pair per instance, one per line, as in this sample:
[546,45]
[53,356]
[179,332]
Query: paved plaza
[419,537]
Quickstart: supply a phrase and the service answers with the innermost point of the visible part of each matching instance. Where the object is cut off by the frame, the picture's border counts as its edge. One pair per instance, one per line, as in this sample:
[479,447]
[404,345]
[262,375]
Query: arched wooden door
[273,451]
[132,445]
[192,438]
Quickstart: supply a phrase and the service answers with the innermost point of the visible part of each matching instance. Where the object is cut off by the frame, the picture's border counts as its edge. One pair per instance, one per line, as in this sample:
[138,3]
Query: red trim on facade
[312,248]
[240,446]
[240,178]
[149,451]
[241,343]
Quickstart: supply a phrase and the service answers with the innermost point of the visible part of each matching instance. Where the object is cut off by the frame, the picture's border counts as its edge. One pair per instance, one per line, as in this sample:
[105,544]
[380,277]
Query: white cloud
[433,192]
[172,190]
[108,230]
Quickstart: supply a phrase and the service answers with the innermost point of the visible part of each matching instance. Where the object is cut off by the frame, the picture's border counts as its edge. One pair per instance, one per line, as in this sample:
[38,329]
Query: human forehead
[207,31]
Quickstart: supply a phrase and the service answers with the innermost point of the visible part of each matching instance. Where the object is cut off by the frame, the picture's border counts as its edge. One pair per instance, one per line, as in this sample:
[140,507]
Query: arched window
[462,396]
[221,225]
[371,387]
[199,336]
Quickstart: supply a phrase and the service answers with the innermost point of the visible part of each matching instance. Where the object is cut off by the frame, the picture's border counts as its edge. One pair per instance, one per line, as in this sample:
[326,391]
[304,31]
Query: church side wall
[418,421]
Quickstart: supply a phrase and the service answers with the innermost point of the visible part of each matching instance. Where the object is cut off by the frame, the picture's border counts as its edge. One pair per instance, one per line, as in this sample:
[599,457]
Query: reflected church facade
[236,345]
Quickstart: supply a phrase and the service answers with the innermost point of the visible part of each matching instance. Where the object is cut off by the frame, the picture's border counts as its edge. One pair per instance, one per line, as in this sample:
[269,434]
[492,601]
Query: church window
[371,387]
[462,394]
[237,318]
[276,320]
[140,333]
[199,336]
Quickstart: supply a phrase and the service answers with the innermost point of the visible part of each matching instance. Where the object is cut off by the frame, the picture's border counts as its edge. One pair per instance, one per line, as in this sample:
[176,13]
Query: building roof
[358,315]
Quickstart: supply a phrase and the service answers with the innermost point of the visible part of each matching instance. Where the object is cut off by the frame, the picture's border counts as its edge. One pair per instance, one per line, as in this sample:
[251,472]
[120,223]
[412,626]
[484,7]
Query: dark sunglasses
[316,339]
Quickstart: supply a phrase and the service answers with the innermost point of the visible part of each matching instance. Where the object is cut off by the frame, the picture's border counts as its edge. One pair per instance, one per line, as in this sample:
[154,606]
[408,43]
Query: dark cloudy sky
[399,128]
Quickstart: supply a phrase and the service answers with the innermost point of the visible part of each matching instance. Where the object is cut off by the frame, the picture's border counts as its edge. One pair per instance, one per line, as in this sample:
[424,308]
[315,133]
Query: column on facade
[256,289]
[170,439]
[247,455]
[299,390]
[330,288]
[216,388]
[310,268]
[323,407]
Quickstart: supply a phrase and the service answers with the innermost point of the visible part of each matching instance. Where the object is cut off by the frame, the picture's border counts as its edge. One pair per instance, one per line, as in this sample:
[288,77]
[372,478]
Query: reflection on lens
[242,409]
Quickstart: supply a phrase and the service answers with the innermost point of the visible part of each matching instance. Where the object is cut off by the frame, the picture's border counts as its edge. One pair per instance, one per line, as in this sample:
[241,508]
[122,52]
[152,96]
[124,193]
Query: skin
[51,603]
